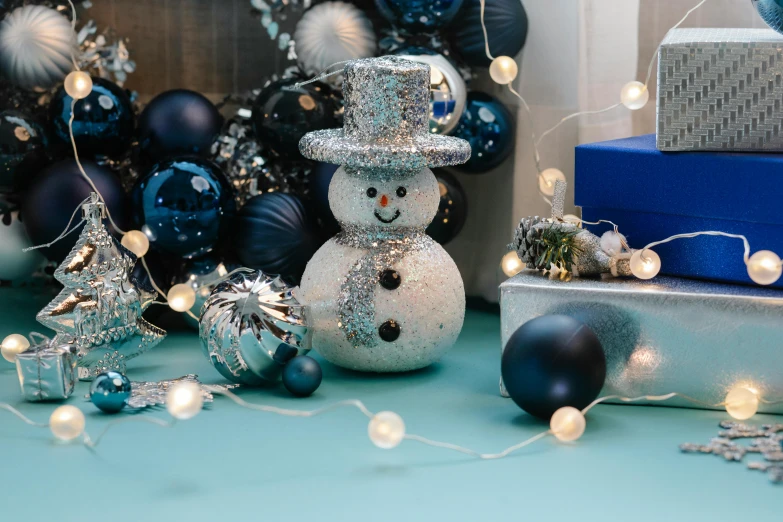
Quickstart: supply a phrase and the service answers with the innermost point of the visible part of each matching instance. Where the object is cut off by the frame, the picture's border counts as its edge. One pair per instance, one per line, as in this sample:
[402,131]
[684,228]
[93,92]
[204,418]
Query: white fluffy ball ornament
[36,46]
[333,32]
[612,242]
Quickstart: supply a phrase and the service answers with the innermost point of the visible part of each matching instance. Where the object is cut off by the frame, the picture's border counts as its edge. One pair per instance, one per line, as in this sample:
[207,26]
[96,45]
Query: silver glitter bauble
[251,325]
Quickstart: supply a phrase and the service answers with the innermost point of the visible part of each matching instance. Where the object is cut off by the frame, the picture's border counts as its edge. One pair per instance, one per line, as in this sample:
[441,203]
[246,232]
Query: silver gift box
[47,372]
[720,89]
[666,335]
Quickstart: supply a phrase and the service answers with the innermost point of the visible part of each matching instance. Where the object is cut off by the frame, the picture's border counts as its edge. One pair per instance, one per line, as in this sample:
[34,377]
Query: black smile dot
[390,279]
[389,331]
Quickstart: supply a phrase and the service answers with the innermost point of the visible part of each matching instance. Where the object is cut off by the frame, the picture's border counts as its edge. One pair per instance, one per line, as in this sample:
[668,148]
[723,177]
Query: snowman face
[384,201]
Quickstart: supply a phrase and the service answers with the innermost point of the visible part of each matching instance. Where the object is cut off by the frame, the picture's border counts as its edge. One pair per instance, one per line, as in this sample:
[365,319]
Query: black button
[390,279]
[389,331]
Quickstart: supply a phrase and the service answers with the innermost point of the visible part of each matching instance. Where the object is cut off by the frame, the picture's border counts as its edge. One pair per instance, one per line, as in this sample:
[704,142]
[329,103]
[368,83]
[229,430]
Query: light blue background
[234,464]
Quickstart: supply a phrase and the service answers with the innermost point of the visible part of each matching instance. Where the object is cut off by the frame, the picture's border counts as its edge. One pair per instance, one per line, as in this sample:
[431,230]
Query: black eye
[372,192]
[401,192]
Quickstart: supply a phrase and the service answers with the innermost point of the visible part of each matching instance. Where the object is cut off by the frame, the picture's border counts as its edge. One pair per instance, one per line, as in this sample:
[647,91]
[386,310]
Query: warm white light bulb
[764,267]
[13,345]
[645,264]
[503,70]
[511,264]
[386,430]
[184,400]
[741,403]
[67,422]
[181,297]
[634,95]
[547,180]
[567,424]
[137,242]
[78,85]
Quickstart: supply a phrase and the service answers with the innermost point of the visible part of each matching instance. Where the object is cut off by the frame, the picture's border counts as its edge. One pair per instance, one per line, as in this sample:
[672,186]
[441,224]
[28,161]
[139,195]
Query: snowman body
[382,296]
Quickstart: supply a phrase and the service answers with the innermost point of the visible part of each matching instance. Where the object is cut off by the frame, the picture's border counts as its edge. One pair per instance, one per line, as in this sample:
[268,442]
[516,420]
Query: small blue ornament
[506,22]
[771,11]
[103,122]
[302,376]
[183,205]
[419,15]
[110,392]
[489,128]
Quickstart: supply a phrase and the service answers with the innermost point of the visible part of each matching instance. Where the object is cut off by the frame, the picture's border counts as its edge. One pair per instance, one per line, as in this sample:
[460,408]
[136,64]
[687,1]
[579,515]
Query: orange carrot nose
[384,200]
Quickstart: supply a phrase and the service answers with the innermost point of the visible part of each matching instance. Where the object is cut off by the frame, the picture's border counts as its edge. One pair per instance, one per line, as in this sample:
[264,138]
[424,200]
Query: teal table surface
[230,463]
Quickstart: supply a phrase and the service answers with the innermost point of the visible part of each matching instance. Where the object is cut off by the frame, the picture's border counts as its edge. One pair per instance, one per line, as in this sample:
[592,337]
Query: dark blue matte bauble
[320,180]
[506,23]
[183,205]
[110,392]
[275,233]
[553,361]
[771,11]
[102,124]
[489,128]
[176,123]
[58,190]
[283,114]
[23,150]
[419,15]
[302,376]
[452,210]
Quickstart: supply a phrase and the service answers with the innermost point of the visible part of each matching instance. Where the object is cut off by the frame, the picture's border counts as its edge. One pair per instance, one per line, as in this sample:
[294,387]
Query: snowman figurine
[382,296]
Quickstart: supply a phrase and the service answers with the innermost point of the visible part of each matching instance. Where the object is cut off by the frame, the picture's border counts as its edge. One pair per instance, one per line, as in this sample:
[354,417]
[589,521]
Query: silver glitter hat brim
[332,146]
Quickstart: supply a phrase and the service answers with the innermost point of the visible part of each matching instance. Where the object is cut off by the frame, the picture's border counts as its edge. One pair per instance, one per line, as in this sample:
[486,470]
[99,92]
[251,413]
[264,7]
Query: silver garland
[146,394]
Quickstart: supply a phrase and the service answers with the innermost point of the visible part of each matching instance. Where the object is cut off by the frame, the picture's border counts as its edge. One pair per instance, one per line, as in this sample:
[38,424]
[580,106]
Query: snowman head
[383,197]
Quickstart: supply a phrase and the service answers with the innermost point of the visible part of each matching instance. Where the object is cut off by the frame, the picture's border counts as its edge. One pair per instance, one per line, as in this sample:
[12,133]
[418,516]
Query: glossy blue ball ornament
[771,11]
[176,123]
[507,25]
[419,15]
[110,392]
[103,122]
[452,210]
[183,205]
[489,128]
[302,376]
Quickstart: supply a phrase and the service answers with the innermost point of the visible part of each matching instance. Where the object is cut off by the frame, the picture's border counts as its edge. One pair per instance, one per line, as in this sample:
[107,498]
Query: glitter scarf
[386,246]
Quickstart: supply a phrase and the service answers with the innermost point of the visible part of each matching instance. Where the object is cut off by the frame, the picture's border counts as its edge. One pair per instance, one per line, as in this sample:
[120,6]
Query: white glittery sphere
[333,32]
[36,46]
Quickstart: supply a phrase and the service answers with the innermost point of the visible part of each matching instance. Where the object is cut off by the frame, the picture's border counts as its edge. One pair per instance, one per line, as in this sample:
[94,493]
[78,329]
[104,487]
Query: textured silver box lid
[715,35]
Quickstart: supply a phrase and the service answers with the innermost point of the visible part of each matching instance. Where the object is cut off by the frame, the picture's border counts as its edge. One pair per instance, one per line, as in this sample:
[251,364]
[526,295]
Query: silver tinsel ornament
[148,394]
[99,310]
[251,325]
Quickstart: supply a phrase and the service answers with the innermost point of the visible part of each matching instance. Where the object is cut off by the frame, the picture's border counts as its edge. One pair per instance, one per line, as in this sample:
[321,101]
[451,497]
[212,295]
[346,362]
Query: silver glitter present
[665,335]
[47,372]
[720,89]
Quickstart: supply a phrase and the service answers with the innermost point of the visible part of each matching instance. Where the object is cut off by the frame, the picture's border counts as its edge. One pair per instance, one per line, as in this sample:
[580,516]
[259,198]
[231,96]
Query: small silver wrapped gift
[720,89]
[665,335]
[47,372]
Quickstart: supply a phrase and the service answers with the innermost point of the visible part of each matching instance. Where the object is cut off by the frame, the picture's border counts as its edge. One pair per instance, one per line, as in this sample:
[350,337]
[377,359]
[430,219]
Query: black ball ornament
[23,150]
[553,361]
[282,114]
[452,210]
[275,233]
[49,202]
[103,122]
[176,123]
[302,376]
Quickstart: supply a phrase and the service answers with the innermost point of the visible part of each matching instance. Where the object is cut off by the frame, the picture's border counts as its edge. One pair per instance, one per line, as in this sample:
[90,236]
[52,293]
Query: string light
[742,403]
[184,400]
[764,267]
[645,264]
[67,423]
[511,264]
[634,95]
[13,345]
[78,85]
[567,424]
[503,70]
[181,297]
[386,430]
[137,242]
[547,180]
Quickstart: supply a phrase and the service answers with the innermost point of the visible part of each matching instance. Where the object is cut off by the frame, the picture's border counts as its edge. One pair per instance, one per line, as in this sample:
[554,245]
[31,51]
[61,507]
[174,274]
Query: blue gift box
[651,195]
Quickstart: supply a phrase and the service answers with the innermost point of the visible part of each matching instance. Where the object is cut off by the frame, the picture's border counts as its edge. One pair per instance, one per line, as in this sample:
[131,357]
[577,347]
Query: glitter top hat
[386,121]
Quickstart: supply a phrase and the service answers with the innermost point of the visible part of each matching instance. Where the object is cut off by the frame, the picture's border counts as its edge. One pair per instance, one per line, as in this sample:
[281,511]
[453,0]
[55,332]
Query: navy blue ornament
[23,150]
[102,124]
[553,361]
[489,128]
[506,23]
[275,233]
[416,16]
[771,11]
[49,202]
[452,210]
[283,114]
[319,187]
[176,123]
[302,376]
[183,205]
[110,391]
